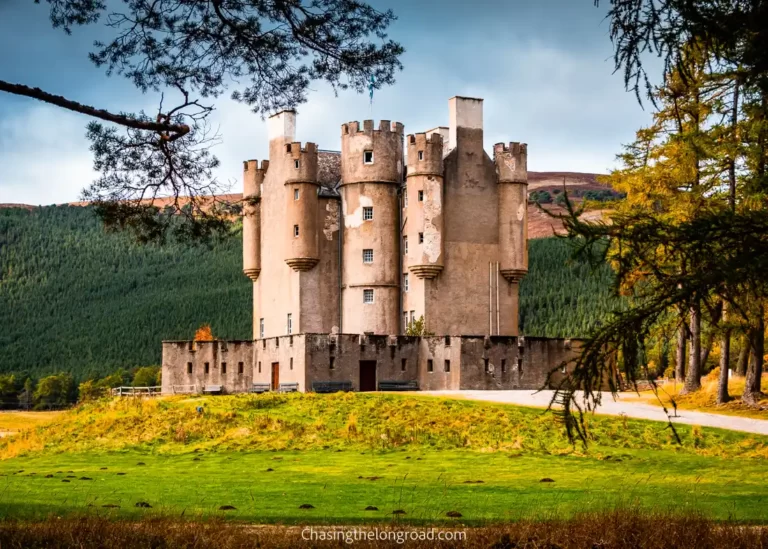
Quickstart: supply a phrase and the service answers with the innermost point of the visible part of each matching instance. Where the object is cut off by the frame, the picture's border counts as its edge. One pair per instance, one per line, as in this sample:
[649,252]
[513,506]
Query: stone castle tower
[363,241]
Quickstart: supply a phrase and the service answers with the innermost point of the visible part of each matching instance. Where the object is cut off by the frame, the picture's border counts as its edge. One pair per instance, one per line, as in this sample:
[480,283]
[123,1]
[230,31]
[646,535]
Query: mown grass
[268,455]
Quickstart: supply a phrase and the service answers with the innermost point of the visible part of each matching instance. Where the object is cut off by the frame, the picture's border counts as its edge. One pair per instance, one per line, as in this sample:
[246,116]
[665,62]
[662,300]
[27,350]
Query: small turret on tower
[301,206]
[253,177]
[424,229]
[512,173]
[371,176]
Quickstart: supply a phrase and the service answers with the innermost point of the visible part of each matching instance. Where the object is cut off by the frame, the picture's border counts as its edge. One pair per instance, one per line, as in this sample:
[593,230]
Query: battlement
[295,149]
[300,163]
[253,165]
[514,147]
[425,154]
[253,177]
[511,162]
[385,126]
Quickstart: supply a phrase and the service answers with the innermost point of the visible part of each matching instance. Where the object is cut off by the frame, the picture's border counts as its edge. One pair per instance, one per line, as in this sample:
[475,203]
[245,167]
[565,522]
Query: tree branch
[178,130]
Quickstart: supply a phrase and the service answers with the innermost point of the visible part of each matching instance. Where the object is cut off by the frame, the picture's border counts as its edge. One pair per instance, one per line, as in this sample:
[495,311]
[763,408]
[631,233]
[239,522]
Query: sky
[544,70]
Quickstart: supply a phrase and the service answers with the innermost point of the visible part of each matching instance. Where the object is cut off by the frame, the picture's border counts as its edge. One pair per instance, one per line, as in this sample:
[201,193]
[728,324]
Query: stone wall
[436,362]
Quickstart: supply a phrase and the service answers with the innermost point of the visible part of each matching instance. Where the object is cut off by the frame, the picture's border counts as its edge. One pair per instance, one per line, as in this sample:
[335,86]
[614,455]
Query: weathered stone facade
[437,363]
[347,249]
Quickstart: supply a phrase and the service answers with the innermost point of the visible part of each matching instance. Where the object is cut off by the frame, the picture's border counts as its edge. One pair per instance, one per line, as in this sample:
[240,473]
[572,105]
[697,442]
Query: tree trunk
[741,365]
[693,376]
[682,337]
[752,392]
[725,360]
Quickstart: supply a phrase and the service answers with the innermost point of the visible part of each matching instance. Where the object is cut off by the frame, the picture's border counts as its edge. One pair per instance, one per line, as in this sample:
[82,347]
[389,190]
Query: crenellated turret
[253,177]
[371,175]
[301,205]
[512,173]
[424,227]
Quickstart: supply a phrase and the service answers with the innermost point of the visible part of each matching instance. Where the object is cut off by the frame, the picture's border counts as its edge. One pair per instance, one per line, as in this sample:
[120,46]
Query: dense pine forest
[76,299]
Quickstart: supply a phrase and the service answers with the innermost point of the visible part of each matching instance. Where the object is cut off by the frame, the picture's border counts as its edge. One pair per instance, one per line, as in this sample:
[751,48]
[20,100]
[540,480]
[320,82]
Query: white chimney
[283,126]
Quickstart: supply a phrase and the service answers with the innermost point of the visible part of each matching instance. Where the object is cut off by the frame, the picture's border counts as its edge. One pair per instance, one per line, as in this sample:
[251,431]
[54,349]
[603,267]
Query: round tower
[512,172]
[424,186]
[371,174]
[301,205]
[253,177]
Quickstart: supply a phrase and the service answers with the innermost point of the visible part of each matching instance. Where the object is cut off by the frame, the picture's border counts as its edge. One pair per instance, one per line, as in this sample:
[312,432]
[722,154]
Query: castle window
[259,366]
[261,328]
[447,340]
[421,238]
[405,282]
[405,198]
[291,363]
[430,366]
[332,363]
[405,245]
[189,367]
[421,155]
[223,367]
[447,366]
[487,366]
[413,316]
[240,367]
[367,157]
[405,321]
[368,256]
[367,213]
[421,196]
[296,164]
[368,295]
[295,194]
[403,364]
[503,365]
[289,324]
[295,230]
[207,368]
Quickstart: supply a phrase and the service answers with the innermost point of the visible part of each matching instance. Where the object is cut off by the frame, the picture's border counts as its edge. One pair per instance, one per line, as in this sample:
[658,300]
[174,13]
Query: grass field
[268,455]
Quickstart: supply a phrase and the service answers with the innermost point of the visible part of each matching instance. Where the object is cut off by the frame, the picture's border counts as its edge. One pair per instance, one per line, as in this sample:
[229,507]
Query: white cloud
[44,156]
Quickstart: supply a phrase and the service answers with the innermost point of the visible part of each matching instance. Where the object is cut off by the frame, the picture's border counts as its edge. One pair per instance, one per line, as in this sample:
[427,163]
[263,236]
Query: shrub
[540,197]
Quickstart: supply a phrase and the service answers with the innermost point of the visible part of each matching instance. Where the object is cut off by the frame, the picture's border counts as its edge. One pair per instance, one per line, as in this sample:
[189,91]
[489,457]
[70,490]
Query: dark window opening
[259,366]
[447,365]
[223,367]
[487,365]
[368,157]
[421,238]
[296,164]
[263,343]
[503,365]
[189,367]
[291,363]
[240,367]
[421,196]
[332,363]
[430,366]
[403,364]
[277,342]
[421,155]
[447,340]
[207,367]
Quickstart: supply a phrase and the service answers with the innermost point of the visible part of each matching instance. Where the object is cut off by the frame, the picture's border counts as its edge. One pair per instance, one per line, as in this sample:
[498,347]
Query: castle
[347,251]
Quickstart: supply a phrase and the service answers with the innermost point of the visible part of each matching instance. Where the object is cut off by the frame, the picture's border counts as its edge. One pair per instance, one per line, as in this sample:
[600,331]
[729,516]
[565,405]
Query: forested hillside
[74,298]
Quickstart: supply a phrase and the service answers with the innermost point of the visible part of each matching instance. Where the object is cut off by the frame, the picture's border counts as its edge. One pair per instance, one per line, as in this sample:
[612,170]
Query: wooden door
[367,375]
[275,376]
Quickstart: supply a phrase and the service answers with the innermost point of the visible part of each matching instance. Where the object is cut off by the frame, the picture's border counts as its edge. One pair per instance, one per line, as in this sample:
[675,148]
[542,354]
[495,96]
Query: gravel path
[618,407]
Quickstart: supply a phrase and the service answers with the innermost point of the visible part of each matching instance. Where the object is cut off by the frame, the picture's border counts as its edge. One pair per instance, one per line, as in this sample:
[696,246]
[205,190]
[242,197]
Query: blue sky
[543,68]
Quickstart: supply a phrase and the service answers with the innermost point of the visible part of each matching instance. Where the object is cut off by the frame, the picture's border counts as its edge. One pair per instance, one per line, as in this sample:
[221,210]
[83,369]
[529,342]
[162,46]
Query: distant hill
[75,298]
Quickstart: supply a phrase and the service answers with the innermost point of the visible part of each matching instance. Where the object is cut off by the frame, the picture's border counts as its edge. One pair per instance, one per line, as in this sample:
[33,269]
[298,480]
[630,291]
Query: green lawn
[341,453]
[424,483]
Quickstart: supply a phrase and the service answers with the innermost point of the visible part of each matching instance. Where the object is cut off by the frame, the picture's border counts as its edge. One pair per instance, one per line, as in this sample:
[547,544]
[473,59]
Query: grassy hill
[264,457]
[74,298]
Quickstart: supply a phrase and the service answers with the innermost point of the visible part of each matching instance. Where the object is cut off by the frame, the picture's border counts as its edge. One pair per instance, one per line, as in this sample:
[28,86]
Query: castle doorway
[367,375]
[275,376]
